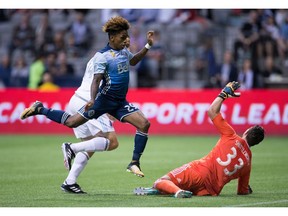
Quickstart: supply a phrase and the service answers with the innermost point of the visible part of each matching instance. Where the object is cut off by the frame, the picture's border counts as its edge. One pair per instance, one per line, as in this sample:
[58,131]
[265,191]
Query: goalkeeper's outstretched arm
[215,107]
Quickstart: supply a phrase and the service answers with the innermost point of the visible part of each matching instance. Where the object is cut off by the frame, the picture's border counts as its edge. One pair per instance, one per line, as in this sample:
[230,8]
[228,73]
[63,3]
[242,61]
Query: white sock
[78,166]
[93,145]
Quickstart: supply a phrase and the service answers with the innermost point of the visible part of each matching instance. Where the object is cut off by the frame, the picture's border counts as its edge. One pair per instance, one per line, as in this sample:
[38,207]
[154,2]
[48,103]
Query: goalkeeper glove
[229,90]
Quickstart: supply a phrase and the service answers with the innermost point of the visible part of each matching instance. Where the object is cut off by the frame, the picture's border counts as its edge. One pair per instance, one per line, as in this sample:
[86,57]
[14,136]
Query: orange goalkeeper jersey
[229,159]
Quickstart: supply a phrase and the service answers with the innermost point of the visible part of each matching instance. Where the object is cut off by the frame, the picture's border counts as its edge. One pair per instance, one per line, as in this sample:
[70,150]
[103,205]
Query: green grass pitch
[32,170]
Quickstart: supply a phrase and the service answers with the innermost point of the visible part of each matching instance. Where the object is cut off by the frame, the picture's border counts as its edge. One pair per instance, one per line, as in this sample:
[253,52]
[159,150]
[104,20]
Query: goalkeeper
[230,159]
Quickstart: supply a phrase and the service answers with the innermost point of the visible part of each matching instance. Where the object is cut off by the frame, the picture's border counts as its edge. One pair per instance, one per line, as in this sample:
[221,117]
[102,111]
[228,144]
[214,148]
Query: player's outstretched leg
[32,110]
[141,191]
[183,194]
[74,188]
[68,155]
[134,167]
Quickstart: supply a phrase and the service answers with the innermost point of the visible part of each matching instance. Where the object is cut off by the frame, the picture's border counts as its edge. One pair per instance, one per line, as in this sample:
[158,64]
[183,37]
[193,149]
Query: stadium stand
[193,42]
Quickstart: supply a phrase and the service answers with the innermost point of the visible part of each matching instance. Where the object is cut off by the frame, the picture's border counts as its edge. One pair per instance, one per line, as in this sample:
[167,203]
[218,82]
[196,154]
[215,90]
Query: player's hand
[229,90]
[150,39]
[88,105]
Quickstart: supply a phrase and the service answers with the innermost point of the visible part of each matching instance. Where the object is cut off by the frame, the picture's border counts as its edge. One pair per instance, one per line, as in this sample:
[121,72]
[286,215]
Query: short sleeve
[129,54]
[99,63]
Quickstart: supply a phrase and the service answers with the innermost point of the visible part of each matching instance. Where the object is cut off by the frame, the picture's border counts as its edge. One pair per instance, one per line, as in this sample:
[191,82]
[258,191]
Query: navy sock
[140,141]
[58,116]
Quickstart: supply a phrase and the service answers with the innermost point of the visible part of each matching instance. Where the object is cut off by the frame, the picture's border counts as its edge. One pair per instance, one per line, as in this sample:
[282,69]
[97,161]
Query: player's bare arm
[141,54]
[94,90]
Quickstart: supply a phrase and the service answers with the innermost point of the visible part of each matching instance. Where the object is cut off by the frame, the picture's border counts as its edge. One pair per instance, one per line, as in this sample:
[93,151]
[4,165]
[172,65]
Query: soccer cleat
[32,110]
[141,191]
[134,167]
[74,188]
[183,194]
[68,155]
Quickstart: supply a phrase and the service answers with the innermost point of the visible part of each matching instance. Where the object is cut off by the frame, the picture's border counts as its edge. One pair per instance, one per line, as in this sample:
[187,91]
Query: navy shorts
[117,108]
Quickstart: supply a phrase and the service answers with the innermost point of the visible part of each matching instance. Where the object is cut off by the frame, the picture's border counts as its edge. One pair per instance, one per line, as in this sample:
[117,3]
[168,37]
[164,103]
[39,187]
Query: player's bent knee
[113,145]
[145,126]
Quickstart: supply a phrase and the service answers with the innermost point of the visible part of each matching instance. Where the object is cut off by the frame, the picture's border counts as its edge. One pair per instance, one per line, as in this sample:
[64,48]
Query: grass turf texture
[32,170]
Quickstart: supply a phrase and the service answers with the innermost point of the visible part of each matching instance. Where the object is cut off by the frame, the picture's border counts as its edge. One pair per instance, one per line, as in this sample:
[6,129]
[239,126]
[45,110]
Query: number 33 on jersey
[233,161]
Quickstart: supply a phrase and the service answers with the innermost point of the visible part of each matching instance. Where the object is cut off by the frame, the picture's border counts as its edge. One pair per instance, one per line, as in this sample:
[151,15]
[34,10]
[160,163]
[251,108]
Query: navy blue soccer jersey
[114,65]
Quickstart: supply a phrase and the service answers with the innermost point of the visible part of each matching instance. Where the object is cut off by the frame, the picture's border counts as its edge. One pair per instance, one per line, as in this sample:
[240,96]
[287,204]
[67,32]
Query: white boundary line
[259,203]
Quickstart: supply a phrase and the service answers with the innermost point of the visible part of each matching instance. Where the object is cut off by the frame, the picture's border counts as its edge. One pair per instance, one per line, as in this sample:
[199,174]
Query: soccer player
[110,71]
[230,159]
[88,133]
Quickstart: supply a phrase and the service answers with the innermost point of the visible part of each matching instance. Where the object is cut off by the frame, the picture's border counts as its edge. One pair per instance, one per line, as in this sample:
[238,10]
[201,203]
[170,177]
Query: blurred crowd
[40,52]
[259,53]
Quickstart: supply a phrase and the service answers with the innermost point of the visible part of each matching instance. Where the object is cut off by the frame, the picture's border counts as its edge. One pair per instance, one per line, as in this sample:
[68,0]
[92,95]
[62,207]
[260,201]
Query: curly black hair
[115,25]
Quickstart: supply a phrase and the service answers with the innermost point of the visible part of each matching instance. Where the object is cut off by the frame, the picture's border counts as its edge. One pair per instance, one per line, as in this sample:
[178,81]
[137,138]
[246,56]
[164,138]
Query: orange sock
[166,186]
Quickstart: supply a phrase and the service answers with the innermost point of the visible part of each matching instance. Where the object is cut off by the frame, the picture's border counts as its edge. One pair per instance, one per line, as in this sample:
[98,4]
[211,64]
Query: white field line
[260,203]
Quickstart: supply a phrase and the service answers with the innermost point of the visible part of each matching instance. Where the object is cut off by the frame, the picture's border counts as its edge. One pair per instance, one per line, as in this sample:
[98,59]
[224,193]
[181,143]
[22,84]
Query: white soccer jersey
[85,87]
[81,97]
